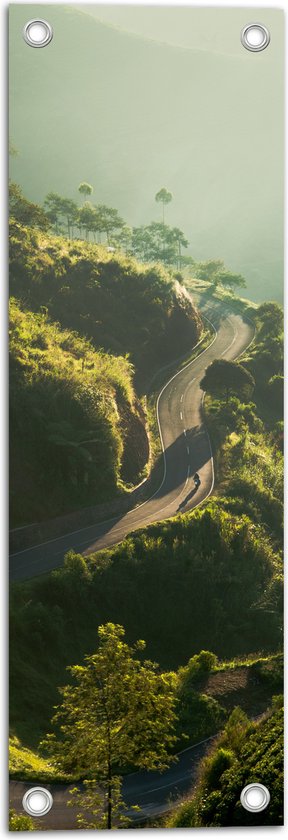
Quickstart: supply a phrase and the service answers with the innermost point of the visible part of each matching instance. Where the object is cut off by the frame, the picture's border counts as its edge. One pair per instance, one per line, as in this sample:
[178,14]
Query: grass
[78,431]
[26,764]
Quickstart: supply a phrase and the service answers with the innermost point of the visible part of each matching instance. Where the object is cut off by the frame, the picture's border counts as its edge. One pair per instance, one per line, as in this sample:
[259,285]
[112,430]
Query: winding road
[186,450]
[153,792]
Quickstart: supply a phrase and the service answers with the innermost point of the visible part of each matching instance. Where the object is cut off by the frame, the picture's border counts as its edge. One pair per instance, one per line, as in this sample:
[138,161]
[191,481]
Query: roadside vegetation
[245,752]
[247,436]
[211,562]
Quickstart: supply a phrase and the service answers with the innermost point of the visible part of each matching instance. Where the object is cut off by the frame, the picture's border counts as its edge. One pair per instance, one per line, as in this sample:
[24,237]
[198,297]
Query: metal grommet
[255,797]
[255,37]
[37,33]
[37,801]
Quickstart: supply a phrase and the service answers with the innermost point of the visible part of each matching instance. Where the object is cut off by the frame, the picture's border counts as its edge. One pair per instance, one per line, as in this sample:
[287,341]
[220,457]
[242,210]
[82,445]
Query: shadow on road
[185,456]
[188,454]
[188,498]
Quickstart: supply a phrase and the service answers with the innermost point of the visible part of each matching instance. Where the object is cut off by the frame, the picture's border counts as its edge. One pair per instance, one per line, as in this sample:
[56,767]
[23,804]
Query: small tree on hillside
[227,378]
[230,280]
[270,316]
[164,197]
[119,712]
[177,236]
[25,211]
[209,271]
[53,206]
[85,189]
[86,218]
[69,210]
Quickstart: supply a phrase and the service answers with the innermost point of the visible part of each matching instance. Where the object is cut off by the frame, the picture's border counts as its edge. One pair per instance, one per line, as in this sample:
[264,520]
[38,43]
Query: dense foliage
[117,710]
[72,411]
[161,584]
[119,304]
[20,822]
[247,437]
[245,753]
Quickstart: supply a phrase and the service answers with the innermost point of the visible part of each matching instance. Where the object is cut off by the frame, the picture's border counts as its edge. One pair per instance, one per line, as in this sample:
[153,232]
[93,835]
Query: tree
[85,189]
[223,377]
[164,197]
[232,281]
[69,209]
[209,270]
[109,221]
[54,208]
[177,236]
[87,218]
[119,712]
[25,211]
[270,316]
[141,242]
[276,393]
[123,238]
[158,242]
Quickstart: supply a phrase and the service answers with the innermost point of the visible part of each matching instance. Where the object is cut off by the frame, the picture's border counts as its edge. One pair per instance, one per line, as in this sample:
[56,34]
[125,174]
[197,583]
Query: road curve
[154,793]
[186,450]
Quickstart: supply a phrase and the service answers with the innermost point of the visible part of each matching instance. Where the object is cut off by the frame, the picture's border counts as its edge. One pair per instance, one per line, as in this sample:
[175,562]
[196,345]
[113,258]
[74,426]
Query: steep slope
[245,753]
[73,411]
[119,304]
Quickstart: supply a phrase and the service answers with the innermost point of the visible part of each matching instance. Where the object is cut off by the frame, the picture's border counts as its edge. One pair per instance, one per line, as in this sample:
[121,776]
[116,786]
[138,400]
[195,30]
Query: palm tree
[164,197]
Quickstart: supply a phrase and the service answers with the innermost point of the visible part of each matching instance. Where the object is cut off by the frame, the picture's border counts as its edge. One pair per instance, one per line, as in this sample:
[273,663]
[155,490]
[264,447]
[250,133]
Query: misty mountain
[130,115]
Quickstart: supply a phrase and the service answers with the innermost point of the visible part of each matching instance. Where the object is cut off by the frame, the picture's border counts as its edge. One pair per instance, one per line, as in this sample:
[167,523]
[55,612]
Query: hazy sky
[131,99]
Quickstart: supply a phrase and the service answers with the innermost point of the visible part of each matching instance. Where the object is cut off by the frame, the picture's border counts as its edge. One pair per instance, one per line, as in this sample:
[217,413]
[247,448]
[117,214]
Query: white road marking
[188,450]
[116,518]
[181,415]
[184,430]
[181,398]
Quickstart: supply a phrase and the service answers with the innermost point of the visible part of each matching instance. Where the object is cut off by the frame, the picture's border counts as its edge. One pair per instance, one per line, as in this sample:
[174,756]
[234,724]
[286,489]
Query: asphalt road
[154,793]
[186,450]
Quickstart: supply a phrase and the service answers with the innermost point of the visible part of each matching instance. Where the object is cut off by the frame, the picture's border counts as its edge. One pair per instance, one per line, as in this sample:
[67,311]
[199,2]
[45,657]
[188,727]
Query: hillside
[128,114]
[119,304]
[207,691]
[76,426]
[244,753]
[223,560]
[160,583]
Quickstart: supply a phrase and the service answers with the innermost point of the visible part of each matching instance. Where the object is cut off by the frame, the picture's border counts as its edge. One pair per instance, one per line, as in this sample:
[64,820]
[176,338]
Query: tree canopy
[164,197]
[85,189]
[119,711]
[226,378]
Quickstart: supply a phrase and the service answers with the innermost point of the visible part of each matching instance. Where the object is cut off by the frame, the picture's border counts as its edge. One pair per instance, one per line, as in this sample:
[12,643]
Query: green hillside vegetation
[119,304]
[245,752]
[206,690]
[73,410]
[247,437]
[210,562]
[27,764]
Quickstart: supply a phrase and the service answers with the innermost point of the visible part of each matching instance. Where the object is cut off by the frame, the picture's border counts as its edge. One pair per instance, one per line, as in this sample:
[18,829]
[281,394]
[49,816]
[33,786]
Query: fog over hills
[129,115]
